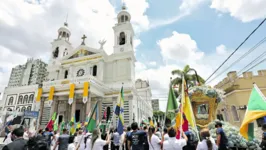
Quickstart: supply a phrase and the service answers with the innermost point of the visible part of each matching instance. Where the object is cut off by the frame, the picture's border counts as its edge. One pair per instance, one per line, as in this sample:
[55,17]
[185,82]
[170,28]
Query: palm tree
[191,79]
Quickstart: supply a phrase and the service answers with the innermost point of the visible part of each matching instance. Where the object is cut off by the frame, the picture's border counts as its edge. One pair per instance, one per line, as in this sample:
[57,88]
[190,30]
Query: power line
[244,71]
[236,49]
[244,55]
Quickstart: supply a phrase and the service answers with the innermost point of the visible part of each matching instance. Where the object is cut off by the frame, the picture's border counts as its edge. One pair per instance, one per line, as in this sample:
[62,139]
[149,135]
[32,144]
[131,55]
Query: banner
[51,96]
[86,91]
[71,93]
[39,95]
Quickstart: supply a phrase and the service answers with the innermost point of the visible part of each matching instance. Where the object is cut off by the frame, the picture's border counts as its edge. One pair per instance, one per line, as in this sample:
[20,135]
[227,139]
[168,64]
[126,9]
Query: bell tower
[61,46]
[123,32]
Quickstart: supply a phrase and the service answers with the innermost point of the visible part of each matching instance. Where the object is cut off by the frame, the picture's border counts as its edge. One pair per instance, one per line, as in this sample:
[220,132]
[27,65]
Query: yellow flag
[39,95]
[187,109]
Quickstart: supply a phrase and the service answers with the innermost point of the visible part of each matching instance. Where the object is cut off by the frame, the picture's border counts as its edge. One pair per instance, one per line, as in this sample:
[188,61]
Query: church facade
[79,77]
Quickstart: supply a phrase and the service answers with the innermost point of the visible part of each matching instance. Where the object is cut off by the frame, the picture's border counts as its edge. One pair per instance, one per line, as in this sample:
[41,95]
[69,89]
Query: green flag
[62,126]
[92,121]
[256,109]
[56,124]
[171,104]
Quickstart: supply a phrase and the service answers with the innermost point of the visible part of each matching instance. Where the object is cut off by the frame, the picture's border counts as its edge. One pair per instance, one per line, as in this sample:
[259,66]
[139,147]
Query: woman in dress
[207,143]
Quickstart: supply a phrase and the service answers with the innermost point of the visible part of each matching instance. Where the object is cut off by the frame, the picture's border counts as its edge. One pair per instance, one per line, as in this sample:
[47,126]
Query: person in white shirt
[96,143]
[172,143]
[165,134]
[207,143]
[153,140]
[78,138]
[71,144]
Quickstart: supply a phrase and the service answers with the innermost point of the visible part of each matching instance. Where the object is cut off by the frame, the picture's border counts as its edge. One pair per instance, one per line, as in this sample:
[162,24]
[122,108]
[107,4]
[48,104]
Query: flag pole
[167,104]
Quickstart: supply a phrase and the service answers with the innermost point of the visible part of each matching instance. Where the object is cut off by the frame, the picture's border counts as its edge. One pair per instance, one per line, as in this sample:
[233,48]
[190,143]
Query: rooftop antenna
[66,24]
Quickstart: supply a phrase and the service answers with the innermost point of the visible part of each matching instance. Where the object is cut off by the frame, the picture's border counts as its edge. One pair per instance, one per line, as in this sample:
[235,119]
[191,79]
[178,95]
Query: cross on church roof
[83,38]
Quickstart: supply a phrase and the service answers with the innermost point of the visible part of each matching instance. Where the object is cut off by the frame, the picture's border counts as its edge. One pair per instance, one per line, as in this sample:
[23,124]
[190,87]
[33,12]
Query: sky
[169,34]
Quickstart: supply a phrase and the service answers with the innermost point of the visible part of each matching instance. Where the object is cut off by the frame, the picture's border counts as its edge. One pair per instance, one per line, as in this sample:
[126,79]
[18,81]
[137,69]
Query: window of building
[56,52]
[122,18]
[234,113]
[23,109]
[29,108]
[25,100]
[9,109]
[219,116]
[94,70]
[122,38]
[17,109]
[20,98]
[31,98]
[66,74]
[225,115]
[10,101]
[126,18]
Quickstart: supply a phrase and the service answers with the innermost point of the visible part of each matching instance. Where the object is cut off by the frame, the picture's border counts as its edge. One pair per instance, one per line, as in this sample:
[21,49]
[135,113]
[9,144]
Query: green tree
[189,76]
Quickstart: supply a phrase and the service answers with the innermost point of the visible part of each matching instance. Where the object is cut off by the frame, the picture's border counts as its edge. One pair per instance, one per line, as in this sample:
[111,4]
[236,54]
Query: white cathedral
[79,77]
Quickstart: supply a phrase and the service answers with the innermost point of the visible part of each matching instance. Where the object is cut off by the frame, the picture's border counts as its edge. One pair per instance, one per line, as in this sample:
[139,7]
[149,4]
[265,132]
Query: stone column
[88,104]
[54,106]
[40,112]
[100,109]
[73,107]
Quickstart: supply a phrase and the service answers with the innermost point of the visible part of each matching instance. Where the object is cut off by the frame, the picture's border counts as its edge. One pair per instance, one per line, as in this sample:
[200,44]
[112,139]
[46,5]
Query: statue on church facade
[102,42]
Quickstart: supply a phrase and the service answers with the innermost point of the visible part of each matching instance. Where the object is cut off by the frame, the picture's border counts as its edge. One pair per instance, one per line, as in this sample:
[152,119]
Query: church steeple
[64,32]
[123,31]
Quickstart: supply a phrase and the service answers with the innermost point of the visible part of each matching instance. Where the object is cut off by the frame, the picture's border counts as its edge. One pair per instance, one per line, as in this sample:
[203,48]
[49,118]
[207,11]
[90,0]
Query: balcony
[77,81]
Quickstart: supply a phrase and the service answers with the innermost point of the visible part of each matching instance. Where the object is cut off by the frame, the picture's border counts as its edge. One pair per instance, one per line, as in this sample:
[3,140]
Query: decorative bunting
[71,93]
[85,92]
[51,96]
[39,95]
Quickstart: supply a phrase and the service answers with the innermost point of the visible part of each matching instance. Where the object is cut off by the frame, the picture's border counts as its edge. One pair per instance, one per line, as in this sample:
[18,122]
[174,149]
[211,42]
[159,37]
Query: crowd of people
[133,138]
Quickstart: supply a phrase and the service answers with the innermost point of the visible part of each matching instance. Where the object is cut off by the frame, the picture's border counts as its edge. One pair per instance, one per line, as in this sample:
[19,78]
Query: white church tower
[123,32]
[61,46]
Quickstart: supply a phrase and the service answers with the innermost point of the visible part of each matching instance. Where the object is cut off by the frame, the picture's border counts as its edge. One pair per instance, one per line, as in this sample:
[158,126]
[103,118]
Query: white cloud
[221,49]
[185,9]
[244,10]
[179,47]
[137,9]
[152,63]
[139,66]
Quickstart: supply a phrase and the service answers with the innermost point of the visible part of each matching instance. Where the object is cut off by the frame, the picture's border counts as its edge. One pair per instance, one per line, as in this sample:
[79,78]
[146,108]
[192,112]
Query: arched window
[66,74]
[29,108]
[31,98]
[10,101]
[122,18]
[25,100]
[94,70]
[17,109]
[9,109]
[235,114]
[122,38]
[56,52]
[20,99]
[23,109]
[126,18]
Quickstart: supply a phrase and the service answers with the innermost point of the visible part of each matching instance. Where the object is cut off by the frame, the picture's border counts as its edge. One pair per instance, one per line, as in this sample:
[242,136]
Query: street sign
[31,114]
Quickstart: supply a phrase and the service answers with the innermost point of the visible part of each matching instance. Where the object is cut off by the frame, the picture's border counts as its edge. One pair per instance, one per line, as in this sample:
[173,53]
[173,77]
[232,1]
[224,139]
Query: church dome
[64,32]
[123,16]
